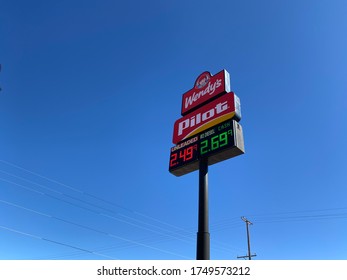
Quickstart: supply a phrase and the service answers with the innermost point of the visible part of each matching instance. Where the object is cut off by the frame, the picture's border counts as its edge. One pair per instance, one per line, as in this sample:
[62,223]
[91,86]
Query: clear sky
[90,93]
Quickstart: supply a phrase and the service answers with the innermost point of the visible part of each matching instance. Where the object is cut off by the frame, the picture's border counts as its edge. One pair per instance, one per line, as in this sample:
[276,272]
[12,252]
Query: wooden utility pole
[249,256]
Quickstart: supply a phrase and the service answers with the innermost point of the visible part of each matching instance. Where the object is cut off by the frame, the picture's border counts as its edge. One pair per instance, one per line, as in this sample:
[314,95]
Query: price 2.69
[214,143]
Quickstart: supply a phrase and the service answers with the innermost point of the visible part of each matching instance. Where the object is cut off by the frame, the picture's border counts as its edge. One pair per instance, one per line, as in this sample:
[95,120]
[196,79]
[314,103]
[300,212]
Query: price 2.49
[184,155]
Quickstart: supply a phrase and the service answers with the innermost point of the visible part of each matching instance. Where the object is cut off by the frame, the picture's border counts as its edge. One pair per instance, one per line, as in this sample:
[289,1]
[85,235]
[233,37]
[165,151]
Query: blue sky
[90,93]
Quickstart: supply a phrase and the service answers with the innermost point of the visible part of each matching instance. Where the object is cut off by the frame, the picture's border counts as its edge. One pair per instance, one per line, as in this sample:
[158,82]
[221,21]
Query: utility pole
[249,256]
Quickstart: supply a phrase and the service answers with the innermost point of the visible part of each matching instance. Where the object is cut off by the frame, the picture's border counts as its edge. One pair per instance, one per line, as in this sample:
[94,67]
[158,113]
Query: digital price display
[221,142]
[185,156]
[216,140]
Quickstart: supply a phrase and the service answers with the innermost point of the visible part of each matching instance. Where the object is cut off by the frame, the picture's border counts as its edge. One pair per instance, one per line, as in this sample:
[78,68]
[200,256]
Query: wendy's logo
[202,80]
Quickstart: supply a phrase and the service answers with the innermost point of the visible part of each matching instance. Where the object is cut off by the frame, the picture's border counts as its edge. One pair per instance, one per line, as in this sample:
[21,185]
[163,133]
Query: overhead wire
[90,228]
[100,213]
[222,225]
[108,216]
[264,218]
[98,206]
[90,195]
[55,242]
[289,216]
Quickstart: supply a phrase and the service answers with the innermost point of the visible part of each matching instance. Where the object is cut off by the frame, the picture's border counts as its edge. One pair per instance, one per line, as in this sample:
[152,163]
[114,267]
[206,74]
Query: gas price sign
[184,156]
[218,143]
[213,141]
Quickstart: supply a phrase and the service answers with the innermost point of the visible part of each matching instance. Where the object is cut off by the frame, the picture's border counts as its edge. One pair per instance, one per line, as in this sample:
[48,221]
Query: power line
[101,214]
[112,217]
[91,229]
[88,194]
[283,217]
[68,186]
[55,242]
[105,215]
[182,234]
[267,218]
[178,235]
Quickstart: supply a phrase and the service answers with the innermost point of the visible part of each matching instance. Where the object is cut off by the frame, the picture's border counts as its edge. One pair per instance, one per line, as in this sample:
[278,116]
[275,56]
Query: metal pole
[203,236]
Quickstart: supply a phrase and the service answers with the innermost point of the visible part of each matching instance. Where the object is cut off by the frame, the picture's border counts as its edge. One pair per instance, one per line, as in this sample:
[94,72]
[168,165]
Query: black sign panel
[221,142]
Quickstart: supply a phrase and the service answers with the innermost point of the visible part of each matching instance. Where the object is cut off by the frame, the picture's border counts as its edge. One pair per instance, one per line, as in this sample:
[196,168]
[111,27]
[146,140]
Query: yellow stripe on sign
[210,124]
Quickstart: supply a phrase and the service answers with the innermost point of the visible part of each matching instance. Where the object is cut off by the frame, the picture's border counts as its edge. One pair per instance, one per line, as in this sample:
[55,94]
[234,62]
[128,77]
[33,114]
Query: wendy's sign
[206,88]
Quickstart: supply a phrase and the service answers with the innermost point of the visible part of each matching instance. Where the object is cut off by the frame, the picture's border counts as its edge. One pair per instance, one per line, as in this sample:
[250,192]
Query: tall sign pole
[203,237]
[208,132]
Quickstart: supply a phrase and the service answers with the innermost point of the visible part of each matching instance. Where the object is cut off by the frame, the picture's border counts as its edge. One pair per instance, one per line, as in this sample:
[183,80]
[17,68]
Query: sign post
[203,236]
[208,132]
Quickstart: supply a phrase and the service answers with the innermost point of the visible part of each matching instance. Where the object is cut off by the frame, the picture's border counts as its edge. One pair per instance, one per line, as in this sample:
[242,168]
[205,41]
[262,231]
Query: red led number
[189,153]
[183,154]
[173,159]
[180,157]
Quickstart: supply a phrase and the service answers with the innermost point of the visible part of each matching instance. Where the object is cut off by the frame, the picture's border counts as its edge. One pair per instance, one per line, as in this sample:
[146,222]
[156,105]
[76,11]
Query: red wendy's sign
[223,108]
[206,88]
